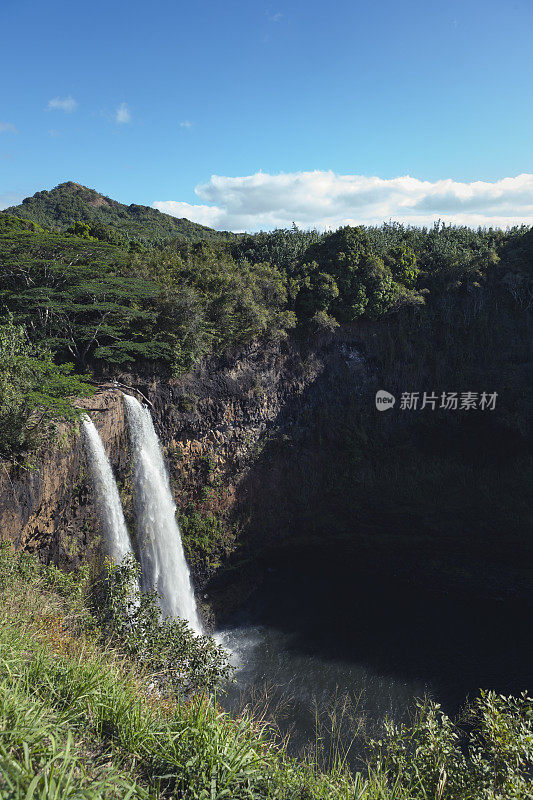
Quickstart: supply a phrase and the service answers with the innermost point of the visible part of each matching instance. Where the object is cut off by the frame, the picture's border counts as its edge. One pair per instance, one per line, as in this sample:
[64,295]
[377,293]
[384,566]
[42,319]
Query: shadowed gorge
[342,553]
[331,626]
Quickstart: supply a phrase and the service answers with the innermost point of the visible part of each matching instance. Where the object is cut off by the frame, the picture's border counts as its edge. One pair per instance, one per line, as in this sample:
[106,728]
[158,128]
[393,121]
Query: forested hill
[109,220]
[91,302]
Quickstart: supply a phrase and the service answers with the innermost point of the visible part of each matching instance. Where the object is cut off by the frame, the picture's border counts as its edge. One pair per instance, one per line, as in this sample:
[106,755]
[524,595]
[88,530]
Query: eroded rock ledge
[211,423]
[47,508]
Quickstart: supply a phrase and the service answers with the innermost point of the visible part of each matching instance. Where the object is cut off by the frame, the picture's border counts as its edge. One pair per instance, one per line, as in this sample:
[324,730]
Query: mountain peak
[89,196]
[72,185]
[69,202]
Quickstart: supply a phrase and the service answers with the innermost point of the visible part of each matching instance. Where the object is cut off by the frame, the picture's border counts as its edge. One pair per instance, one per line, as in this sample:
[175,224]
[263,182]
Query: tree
[73,298]
[81,229]
[404,265]
[33,391]
[345,278]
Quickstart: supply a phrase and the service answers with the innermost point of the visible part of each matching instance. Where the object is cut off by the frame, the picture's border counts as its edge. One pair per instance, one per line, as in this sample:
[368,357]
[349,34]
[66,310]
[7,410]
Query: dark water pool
[310,638]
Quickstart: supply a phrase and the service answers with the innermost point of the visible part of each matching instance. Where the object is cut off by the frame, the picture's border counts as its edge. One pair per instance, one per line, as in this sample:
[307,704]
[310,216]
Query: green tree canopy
[34,390]
[71,294]
[342,276]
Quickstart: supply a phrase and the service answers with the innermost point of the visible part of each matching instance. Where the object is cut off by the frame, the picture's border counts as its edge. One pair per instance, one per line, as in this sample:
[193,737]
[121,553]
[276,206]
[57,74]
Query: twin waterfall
[163,564]
[107,501]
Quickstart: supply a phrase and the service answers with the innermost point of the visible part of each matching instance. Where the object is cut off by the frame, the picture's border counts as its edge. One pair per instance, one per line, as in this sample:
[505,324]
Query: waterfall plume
[163,563]
[108,506]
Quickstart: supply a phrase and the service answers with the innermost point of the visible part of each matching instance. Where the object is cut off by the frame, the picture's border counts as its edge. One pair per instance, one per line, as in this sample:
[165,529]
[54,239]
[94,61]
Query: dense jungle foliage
[88,298]
[34,391]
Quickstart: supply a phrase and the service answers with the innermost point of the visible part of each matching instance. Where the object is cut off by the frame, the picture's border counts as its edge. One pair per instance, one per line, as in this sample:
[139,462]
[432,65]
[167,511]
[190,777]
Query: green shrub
[207,537]
[167,648]
[489,759]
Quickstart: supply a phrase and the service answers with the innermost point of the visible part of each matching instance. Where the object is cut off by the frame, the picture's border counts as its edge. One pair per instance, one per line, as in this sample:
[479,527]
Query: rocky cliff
[214,424]
[227,431]
[46,506]
[277,451]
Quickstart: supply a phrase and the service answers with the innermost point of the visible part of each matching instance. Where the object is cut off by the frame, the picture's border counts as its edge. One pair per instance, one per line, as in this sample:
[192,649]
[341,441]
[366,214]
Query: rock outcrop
[46,507]
[212,422]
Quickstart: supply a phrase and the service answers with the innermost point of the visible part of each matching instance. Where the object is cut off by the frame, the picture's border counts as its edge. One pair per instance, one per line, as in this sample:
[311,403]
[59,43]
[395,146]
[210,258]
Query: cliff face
[213,424]
[278,451]
[47,508]
[227,430]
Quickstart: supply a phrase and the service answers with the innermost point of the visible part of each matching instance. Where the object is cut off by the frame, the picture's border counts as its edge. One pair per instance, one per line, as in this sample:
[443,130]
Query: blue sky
[306,111]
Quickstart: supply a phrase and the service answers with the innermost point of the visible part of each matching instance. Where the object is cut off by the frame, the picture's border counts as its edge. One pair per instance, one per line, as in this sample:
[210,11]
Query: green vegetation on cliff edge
[84,292]
[80,718]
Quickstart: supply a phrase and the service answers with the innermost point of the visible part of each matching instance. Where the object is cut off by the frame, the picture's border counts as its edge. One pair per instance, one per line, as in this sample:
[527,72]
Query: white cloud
[186,124]
[66,104]
[205,215]
[326,200]
[123,114]
[7,127]
[275,17]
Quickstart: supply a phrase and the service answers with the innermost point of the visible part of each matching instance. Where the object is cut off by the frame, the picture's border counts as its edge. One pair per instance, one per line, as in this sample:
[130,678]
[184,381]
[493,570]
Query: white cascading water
[116,538]
[163,563]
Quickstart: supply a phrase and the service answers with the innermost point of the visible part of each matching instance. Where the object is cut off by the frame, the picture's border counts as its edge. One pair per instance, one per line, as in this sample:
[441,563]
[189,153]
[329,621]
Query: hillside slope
[70,202]
[82,718]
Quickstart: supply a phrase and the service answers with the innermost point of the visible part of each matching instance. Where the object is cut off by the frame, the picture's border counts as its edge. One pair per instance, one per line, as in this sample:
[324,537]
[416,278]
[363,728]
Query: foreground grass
[77,720]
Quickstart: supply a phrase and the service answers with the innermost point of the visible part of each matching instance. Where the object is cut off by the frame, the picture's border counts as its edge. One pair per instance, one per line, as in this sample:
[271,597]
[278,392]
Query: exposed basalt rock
[212,418]
[215,417]
[47,508]
[213,424]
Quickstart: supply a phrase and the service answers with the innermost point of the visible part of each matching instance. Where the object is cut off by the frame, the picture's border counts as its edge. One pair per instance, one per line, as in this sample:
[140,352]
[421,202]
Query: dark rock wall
[212,423]
[47,508]
[253,438]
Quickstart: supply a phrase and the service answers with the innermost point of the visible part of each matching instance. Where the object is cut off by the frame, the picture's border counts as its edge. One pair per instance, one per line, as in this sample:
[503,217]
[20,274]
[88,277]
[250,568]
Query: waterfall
[163,563]
[116,538]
